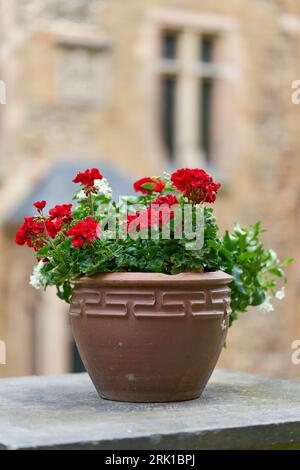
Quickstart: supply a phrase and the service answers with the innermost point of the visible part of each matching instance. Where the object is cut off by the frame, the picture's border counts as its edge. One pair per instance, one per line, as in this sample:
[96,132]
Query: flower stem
[91,204]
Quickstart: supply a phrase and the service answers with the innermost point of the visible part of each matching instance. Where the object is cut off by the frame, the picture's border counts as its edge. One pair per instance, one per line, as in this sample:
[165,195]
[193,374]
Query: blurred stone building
[137,87]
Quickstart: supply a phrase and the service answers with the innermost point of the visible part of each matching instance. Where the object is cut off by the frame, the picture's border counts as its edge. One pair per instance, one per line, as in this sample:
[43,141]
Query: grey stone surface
[236,410]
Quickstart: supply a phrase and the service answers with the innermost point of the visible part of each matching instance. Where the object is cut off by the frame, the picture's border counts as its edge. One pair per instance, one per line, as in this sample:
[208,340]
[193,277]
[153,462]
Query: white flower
[81,195]
[37,279]
[280,294]
[266,306]
[166,177]
[103,187]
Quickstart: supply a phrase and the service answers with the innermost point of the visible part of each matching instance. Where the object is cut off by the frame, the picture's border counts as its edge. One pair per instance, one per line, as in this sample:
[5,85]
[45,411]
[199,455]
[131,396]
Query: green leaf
[258,297]
[239,230]
[148,186]
[288,261]
[65,292]
[276,272]
[273,255]
[44,251]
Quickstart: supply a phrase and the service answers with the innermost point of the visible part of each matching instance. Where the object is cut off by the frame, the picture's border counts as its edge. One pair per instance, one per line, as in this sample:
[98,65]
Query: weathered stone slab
[236,410]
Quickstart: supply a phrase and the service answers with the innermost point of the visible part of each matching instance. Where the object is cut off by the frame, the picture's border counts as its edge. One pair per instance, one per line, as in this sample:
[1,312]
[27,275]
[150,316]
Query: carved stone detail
[79,11]
[83,74]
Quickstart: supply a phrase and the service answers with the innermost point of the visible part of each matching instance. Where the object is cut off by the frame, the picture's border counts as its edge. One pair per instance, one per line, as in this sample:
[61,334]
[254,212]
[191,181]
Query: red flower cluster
[88,177]
[160,212]
[62,211]
[35,232]
[157,214]
[52,228]
[29,231]
[157,185]
[83,232]
[169,199]
[196,184]
[61,215]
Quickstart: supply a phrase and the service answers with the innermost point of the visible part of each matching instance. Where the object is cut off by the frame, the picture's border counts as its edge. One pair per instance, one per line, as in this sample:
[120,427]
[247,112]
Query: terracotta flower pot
[147,337]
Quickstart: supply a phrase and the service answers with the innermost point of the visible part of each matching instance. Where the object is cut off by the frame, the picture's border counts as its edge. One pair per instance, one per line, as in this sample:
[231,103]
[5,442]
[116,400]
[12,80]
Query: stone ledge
[236,411]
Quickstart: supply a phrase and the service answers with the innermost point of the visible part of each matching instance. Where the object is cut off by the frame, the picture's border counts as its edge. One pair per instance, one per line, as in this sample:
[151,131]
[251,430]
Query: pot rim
[142,278]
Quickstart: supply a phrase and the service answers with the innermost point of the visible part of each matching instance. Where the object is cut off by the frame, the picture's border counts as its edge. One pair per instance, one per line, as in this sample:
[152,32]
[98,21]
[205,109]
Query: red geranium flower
[62,212]
[195,184]
[52,228]
[84,232]
[157,185]
[132,217]
[29,231]
[40,205]
[34,232]
[155,214]
[159,209]
[57,224]
[169,199]
[88,177]
[143,222]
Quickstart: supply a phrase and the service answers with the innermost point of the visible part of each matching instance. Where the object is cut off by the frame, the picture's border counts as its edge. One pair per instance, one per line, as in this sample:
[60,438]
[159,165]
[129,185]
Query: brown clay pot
[148,337]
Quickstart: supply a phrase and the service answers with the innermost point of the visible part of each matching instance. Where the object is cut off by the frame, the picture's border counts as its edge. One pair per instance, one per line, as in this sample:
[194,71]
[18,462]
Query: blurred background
[136,87]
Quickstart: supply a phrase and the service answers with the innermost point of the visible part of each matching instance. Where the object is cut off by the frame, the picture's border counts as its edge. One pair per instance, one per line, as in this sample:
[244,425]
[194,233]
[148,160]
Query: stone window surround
[191,25]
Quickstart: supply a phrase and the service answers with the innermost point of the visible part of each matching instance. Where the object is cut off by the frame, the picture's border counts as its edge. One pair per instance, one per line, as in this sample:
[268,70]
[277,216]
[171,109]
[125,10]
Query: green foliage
[168,256]
[239,253]
[255,269]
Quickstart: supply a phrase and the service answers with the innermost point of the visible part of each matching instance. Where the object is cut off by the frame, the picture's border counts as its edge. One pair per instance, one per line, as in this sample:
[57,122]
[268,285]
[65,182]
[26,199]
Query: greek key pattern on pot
[151,304]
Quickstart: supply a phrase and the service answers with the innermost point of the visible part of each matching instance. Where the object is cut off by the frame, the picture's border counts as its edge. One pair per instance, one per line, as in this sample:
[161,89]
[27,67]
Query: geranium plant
[143,233]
